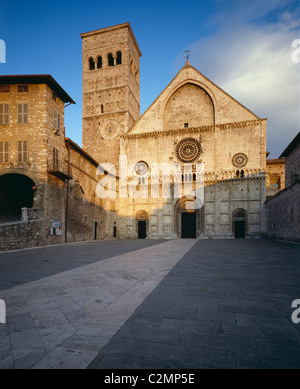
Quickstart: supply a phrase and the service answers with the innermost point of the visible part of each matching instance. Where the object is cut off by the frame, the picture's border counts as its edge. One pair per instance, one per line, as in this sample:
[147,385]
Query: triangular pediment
[190,99]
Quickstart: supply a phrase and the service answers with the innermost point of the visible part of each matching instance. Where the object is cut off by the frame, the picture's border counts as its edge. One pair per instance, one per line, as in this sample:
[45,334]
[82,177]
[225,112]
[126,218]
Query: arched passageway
[16,192]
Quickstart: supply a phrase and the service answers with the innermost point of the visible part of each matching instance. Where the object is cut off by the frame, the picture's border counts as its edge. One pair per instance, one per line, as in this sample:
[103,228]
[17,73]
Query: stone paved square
[175,304]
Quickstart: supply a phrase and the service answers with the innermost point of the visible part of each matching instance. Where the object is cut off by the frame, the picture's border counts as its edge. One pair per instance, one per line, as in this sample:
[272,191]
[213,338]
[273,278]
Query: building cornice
[181,131]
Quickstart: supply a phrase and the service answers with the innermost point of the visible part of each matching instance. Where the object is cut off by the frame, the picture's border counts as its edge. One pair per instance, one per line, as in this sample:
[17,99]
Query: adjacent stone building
[283,210]
[275,176]
[47,183]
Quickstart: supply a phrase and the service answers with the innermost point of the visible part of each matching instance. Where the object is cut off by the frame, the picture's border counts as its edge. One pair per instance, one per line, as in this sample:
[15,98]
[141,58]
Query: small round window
[141,168]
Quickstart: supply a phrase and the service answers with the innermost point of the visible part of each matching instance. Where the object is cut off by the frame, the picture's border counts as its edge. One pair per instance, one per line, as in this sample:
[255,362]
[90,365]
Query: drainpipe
[67,195]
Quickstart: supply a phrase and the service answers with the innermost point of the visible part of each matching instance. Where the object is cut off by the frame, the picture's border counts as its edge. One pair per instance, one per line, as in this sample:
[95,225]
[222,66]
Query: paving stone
[6,359]
[243,330]
[208,358]
[26,345]
[19,322]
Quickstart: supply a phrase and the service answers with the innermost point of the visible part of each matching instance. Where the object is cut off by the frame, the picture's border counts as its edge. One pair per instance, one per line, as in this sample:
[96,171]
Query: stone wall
[29,232]
[86,217]
[283,214]
[292,166]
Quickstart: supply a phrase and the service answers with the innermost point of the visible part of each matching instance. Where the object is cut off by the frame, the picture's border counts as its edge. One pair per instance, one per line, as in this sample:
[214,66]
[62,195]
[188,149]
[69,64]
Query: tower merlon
[111,28]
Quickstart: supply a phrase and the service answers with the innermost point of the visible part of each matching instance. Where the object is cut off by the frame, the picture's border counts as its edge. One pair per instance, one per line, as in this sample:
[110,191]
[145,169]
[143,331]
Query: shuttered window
[4,150]
[22,88]
[4,113]
[23,113]
[56,120]
[23,151]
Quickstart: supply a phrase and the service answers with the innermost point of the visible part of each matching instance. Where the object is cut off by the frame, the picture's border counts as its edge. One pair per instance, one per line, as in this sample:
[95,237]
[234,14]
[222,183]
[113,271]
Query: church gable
[190,100]
[189,106]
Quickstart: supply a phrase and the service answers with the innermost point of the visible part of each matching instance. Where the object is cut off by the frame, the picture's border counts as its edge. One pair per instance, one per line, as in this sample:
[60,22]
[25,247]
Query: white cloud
[253,63]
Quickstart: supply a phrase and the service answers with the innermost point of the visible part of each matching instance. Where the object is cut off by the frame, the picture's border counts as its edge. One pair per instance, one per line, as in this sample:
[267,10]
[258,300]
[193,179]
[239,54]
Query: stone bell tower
[110,90]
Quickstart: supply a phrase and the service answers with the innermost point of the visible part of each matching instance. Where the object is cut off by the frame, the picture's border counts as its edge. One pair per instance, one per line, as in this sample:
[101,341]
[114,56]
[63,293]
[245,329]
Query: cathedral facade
[192,166]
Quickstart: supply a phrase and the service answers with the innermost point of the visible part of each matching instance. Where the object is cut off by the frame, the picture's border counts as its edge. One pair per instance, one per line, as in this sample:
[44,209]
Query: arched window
[242,174]
[110,59]
[92,63]
[99,62]
[119,58]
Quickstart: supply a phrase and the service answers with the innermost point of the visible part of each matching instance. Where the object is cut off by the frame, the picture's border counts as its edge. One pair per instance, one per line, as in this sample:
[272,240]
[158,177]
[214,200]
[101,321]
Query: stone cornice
[181,131]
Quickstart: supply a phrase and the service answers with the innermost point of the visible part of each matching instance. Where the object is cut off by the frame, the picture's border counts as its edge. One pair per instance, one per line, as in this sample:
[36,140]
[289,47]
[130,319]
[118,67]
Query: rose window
[188,150]
[239,160]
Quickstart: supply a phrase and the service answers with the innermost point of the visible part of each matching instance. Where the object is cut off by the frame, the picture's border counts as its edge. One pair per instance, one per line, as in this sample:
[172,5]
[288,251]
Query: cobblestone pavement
[151,304]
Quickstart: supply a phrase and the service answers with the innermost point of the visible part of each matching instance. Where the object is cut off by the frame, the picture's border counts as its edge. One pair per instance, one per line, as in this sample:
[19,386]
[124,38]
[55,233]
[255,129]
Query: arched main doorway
[239,223]
[16,192]
[188,218]
[142,224]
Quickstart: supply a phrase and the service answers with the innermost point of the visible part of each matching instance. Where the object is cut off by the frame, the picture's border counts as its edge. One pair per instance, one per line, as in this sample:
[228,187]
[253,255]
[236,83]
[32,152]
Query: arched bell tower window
[110,60]
[119,58]
[99,62]
[92,63]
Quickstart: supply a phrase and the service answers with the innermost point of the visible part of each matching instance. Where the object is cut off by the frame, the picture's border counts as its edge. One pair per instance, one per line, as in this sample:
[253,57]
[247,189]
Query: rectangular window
[55,159]
[23,151]
[4,88]
[23,113]
[56,120]
[4,113]
[4,149]
[22,88]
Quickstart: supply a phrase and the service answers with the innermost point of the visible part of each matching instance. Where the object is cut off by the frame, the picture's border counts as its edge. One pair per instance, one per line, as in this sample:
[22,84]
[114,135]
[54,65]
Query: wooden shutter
[55,119]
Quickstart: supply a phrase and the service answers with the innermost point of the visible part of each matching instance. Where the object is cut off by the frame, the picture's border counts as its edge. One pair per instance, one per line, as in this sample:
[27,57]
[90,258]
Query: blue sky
[244,47]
